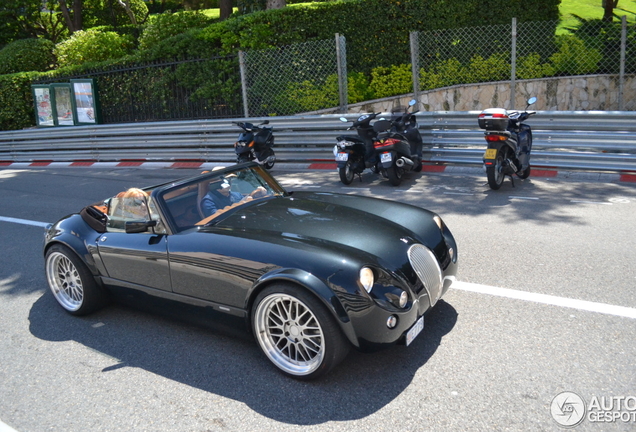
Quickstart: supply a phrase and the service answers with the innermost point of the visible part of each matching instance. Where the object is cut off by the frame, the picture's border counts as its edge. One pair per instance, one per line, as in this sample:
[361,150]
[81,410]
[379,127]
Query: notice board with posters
[66,104]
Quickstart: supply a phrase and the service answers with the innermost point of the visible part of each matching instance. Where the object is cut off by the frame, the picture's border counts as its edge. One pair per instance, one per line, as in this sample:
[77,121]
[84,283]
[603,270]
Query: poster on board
[43,105]
[85,101]
[62,101]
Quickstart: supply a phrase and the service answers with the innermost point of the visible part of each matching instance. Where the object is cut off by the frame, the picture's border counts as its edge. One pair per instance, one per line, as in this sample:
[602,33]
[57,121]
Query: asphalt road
[562,250]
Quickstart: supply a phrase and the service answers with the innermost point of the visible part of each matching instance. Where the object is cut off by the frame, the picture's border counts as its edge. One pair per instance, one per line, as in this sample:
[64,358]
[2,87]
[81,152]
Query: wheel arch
[311,284]
[75,241]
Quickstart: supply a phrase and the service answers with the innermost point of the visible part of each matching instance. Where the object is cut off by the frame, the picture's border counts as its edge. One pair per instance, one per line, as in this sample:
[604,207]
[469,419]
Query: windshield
[203,200]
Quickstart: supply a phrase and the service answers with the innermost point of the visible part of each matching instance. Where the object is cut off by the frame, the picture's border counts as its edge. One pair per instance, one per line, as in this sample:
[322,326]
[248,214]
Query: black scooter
[355,153]
[255,143]
[509,144]
[398,144]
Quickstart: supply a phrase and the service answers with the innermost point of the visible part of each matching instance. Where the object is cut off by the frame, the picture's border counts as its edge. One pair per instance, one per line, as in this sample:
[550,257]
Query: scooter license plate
[490,154]
[415,330]
[342,157]
[385,157]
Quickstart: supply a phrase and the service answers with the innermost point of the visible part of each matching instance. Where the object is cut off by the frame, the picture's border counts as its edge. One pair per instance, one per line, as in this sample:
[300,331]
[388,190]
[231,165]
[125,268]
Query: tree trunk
[276,4]
[608,10]
[225,7]
[77,15]
[67,16]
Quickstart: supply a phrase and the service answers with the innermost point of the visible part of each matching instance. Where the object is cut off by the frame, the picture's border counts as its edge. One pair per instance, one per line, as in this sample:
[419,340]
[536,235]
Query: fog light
[451,252]
[404,297]
[391,322]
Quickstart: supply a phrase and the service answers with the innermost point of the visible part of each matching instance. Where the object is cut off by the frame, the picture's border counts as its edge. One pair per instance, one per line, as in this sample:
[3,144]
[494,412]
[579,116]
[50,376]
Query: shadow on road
[215,357]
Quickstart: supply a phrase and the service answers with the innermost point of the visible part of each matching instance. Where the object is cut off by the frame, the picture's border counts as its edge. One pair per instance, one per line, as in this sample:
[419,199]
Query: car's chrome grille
[427,269]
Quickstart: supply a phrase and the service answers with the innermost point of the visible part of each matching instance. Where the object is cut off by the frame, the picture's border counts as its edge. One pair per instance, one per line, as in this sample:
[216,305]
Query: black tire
[395,174]
[524,174]
[346,173]
[270,165]
[296,332]
[71,283]
[495,172]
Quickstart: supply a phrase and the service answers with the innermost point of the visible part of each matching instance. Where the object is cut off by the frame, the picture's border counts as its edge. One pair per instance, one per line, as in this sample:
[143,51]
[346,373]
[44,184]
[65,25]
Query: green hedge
[16,101]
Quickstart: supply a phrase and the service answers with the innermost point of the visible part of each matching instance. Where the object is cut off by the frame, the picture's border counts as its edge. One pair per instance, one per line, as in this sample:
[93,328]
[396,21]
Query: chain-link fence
[295,78]
[312,76]
[528,50]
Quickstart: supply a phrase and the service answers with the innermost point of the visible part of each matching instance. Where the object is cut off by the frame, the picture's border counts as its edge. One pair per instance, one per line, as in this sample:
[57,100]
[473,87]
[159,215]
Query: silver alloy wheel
[289,333]
[65,281]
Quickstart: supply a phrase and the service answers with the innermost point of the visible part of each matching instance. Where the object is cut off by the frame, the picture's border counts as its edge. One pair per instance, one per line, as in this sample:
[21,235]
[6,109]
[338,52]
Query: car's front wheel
[71,283]
[296,332]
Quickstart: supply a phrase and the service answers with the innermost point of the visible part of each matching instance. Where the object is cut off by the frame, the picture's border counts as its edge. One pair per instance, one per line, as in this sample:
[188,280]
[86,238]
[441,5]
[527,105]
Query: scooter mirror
[342,119]
[412,102]
[265,122]
[532,100]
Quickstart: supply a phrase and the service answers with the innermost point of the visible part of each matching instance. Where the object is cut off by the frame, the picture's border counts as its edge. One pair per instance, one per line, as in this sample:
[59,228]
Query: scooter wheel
[395,175]
[524,174]
[495,172]
[346,173]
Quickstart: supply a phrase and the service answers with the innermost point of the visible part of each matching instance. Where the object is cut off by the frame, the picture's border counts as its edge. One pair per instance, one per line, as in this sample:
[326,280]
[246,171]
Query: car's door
[217,265]
[136,258]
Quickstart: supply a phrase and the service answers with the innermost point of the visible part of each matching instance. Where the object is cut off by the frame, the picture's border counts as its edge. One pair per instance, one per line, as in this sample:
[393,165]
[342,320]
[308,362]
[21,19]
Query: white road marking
[590,202]
[589,306]
[24,221]
[523,198]
[603,308]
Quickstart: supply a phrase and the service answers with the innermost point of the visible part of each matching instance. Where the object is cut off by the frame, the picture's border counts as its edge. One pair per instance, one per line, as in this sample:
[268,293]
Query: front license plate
[415,330]
[342,157]
[385,157]
[490,154]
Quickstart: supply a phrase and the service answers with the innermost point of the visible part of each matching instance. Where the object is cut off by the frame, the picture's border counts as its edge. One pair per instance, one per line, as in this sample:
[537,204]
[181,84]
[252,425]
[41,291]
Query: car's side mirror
[139,226]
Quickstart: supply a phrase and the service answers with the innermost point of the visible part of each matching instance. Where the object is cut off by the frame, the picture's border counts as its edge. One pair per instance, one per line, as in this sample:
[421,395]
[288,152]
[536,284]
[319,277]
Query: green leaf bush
[86,46]
[27,55]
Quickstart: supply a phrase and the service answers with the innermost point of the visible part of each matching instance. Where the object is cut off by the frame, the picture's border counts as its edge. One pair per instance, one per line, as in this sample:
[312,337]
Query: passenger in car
[131,204]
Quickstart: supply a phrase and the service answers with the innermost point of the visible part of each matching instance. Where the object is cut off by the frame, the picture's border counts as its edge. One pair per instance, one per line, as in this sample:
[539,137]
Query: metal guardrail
[594,140]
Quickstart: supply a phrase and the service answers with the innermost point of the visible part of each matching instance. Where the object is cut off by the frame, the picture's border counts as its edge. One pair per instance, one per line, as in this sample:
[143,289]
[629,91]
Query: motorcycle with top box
[509,143]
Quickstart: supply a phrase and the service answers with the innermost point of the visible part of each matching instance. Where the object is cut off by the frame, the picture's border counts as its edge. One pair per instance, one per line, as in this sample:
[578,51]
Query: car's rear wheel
[71,283]
[296,332]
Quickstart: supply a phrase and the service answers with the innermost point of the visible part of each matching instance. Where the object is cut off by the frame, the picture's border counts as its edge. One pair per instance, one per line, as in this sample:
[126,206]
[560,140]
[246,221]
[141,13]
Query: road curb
[539,172]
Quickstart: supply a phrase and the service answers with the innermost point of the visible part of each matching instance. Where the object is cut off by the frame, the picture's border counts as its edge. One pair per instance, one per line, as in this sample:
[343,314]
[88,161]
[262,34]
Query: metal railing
[594,140]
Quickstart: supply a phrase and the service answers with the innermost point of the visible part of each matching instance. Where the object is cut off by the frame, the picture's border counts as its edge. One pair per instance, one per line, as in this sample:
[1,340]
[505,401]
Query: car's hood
[375,226]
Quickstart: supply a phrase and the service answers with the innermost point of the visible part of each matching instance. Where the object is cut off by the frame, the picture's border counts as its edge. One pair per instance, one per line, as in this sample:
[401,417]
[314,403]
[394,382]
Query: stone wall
[574,93]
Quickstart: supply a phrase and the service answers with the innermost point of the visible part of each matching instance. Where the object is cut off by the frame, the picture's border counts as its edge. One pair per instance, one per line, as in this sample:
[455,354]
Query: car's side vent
[427,269]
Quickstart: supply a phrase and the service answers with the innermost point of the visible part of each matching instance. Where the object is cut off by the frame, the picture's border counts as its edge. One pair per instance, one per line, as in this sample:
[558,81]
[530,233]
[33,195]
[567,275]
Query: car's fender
[314,285]
[75,234]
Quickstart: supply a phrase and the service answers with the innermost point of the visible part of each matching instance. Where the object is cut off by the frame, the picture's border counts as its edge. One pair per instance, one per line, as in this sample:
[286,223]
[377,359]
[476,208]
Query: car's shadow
[225,360]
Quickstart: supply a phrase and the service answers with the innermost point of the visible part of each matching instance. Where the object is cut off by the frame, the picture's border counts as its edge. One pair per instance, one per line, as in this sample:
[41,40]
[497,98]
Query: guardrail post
[415,66]
[241,56]
[513,63]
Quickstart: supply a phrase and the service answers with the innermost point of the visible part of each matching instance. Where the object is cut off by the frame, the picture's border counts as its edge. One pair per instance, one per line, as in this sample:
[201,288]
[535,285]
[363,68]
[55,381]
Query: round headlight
[404,297]
[367,278]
